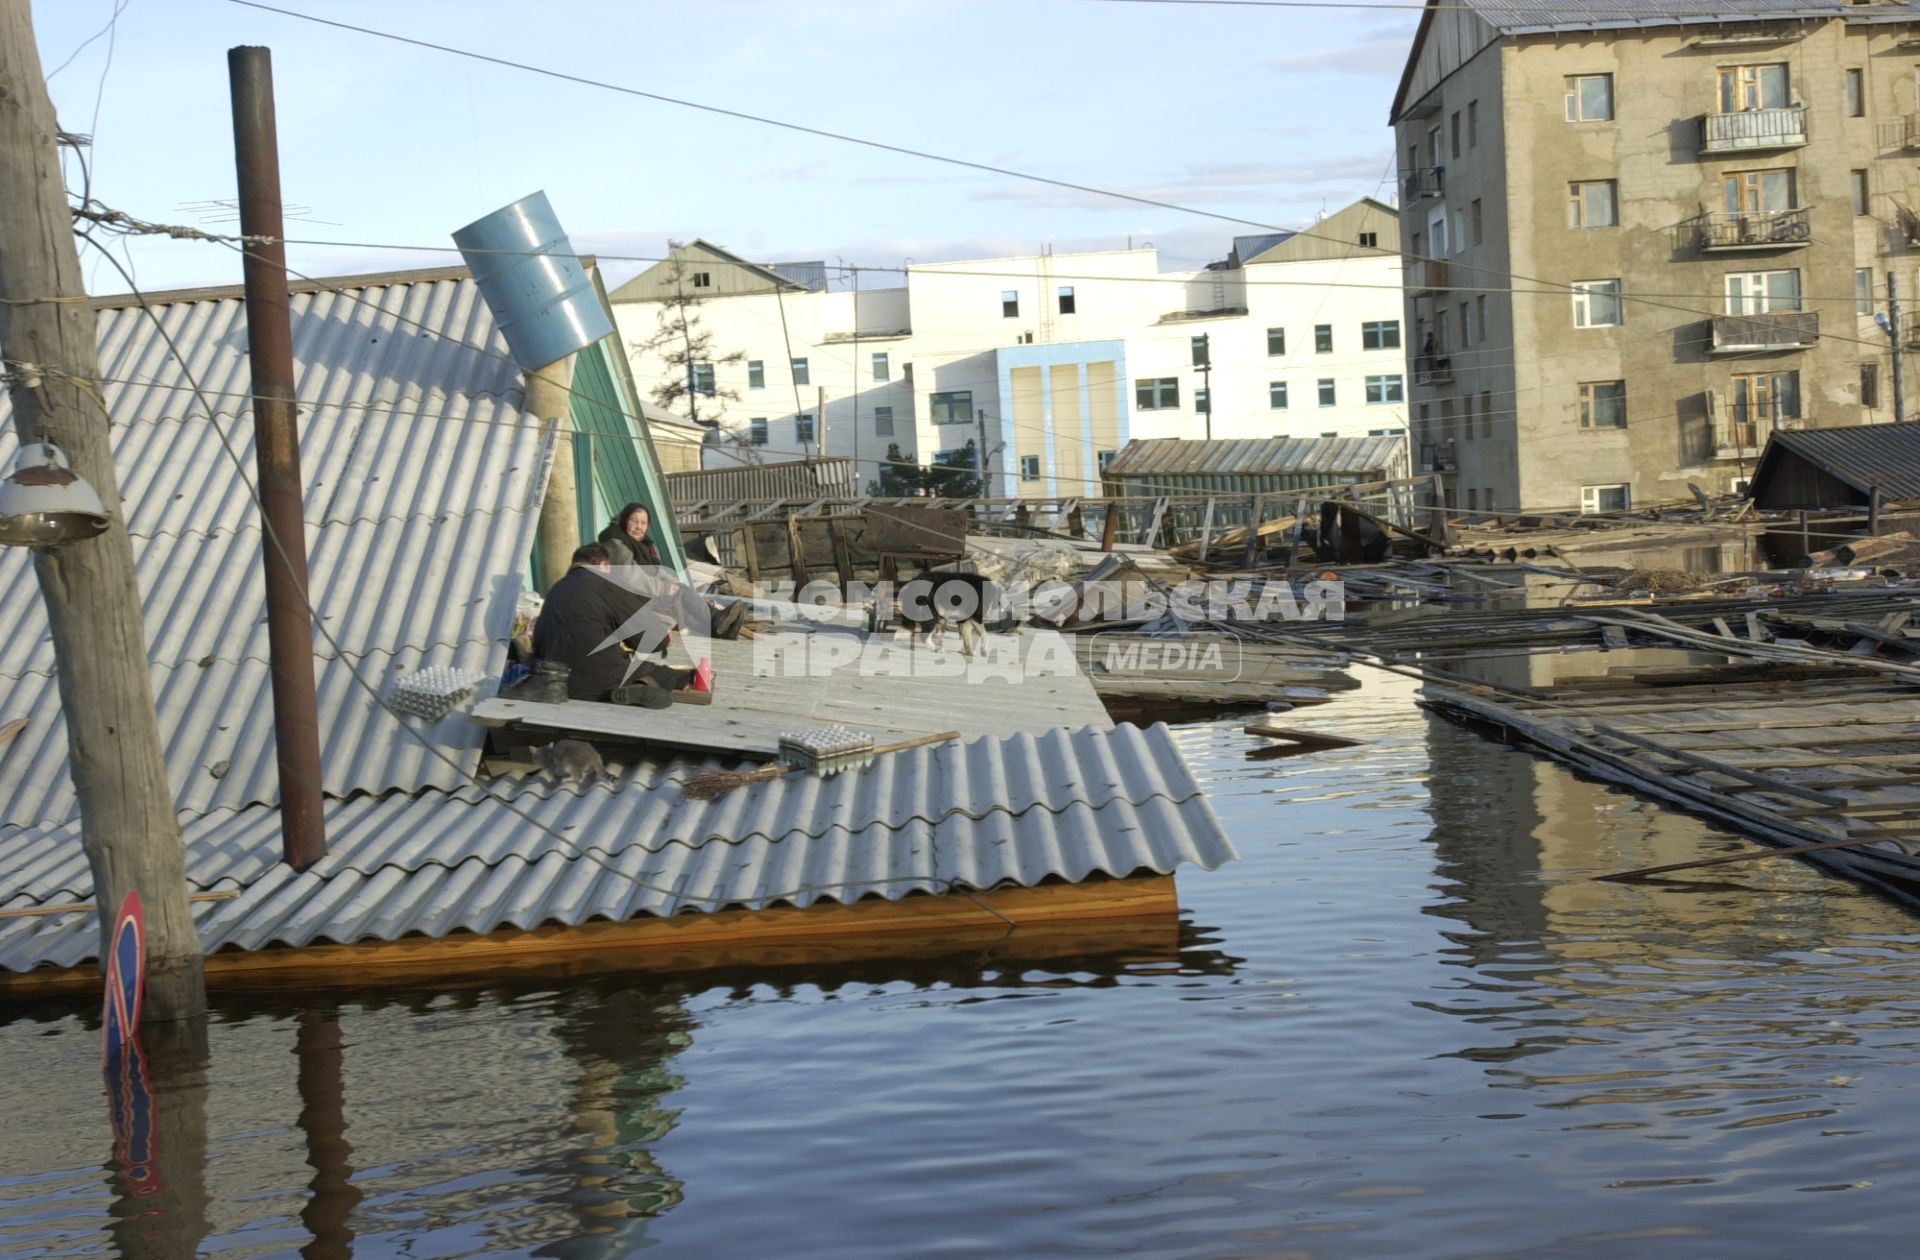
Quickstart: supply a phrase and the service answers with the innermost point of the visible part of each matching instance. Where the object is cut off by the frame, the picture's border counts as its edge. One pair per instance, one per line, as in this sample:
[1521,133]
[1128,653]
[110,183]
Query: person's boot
[727,622]
[545,684]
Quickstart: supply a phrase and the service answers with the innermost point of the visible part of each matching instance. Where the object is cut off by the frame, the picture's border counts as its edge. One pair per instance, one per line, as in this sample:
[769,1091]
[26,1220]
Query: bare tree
[685,346]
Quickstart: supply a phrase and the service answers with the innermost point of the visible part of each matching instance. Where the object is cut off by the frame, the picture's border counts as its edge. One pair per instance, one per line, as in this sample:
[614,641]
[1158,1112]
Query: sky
[1271,115]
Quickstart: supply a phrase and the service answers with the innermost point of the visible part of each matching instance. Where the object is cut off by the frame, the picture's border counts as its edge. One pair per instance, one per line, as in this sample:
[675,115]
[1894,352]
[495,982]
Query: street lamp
[44,503]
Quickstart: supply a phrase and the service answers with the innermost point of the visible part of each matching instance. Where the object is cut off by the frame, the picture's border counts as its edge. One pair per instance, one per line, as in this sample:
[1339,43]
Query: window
[1759,192]
[1753,87]
[1466,326]
[1202,351]
[1473,499]
[1858,182]
[1761,292]
[1453,135]
[1589,97]
[756,374]
[1157,393]
[1369,240]
[702,280]
[1603,404]
[952,407]
[1596,303]
[803,427]
[1863,291]
[1323,338]
[1446,418]
[1010,304]
[1479,222]
[881,370]
[757,431]
[1386,389]
[1486,419]
[1869,384]
[800,375]
[1277,395]
[701,378]
[1437,233]
[1856,93]
[883,421]
[1459,231]
[1480,311]
[1276,341]
[1202,402]
[1066,299]
[1380,334]
[1593,203]
[1029,468]
[1605,498]
[1760,399]
[1326,392]
[1106,457]
[1473,124]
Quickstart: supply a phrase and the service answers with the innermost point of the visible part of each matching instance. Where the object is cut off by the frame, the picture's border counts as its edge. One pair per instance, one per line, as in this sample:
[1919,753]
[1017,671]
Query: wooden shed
[1837,468]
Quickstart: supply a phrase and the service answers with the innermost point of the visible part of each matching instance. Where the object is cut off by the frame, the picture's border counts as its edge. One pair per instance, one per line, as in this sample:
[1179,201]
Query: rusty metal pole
[276,437]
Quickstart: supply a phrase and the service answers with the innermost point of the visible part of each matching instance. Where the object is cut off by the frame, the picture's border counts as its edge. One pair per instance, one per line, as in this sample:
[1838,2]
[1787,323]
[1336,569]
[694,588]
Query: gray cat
[572,762]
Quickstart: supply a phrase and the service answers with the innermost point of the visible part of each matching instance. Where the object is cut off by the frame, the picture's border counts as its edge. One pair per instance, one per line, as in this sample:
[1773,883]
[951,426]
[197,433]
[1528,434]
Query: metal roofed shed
[1171,466]
[1518,17]
[1826,468]
[423,475]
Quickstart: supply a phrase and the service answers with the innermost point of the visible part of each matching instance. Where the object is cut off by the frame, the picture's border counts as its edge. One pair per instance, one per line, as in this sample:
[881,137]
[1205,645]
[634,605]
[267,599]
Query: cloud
[1381,57]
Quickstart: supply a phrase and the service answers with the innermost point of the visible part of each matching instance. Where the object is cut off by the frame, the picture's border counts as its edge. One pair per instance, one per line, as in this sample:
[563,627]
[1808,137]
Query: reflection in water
[1409,1022]
[158,1165]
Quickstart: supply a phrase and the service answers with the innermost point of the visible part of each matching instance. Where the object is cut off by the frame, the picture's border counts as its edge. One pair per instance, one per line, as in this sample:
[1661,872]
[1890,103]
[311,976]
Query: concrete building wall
[945,331]
[1680,381]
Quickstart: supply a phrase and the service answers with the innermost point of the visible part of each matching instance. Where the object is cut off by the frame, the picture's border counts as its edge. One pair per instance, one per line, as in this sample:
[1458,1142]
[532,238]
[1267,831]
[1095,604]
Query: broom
[711,785]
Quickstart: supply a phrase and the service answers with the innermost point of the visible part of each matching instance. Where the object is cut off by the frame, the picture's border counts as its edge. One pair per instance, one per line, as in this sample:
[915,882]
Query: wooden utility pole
[276,442]
[1893,335]
[127,821]
[550,397]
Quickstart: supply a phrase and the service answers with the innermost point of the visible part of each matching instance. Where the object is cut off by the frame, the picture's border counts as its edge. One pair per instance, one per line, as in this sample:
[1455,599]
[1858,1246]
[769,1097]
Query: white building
[1050,363]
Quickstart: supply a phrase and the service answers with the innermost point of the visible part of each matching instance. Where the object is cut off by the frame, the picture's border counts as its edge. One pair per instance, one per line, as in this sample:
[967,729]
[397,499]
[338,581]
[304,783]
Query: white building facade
[1048,363]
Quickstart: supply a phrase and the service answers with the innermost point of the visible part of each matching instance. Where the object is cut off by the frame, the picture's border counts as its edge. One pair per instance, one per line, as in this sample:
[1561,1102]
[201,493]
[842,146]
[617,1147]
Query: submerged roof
[1053,806]
[1867,457]
[421,476]
[1252,457]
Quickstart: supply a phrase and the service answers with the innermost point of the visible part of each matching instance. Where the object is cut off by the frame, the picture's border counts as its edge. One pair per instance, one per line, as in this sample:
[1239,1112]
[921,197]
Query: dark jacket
[583,610]
[624,550]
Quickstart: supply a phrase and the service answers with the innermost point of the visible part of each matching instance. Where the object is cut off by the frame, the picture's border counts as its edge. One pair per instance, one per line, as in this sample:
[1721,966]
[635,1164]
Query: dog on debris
[931,604]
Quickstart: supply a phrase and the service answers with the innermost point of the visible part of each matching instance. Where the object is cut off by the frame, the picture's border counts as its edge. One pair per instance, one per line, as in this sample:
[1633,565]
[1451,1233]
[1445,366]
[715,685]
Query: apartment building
[1638,240]
[1047,363]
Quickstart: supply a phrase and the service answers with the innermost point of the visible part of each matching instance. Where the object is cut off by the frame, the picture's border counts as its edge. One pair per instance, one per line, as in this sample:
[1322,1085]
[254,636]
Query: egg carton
[825,750]
[433,692]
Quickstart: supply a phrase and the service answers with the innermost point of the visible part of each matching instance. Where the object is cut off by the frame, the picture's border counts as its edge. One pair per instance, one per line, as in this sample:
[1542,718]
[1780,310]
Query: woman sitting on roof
[637,561]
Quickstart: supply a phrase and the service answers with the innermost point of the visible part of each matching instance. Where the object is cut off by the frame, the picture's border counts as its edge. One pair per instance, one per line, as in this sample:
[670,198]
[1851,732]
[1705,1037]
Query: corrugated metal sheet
[794,479]
[992,812]
[1517,17]
[421,475]
[1360,458]
[1864,456]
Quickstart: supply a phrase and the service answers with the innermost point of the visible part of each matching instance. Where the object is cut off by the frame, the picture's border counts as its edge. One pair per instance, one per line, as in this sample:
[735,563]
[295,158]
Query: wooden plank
[1293,735]
[1206,532]
[1771,784]
[88,907]
[1253,531]
[797,554]
[1062,920]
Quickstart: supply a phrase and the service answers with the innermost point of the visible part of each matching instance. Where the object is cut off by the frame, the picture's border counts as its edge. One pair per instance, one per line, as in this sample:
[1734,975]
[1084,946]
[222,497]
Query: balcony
[1910,332]
[1752,130]
[1901,133]
[1439,457]
[1426,276]
[1731,233]
[1432,369]
[1420,184]
[1776,330]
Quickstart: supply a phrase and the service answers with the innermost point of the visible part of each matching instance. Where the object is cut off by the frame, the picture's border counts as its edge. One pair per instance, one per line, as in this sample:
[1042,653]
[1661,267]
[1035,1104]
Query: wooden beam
[1139,914]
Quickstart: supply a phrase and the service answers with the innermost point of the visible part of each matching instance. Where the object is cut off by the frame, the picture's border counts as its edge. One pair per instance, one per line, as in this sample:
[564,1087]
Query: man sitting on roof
[588,623]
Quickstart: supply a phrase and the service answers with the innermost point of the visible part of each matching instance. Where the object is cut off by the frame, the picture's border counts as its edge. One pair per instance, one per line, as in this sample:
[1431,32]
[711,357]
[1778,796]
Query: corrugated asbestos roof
[420,472]
[1864,456]
[1517,17]
[990,812]
[1168,457]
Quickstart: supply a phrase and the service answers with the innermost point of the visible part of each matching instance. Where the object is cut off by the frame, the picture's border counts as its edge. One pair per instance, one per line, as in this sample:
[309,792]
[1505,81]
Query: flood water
[1405,1025]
